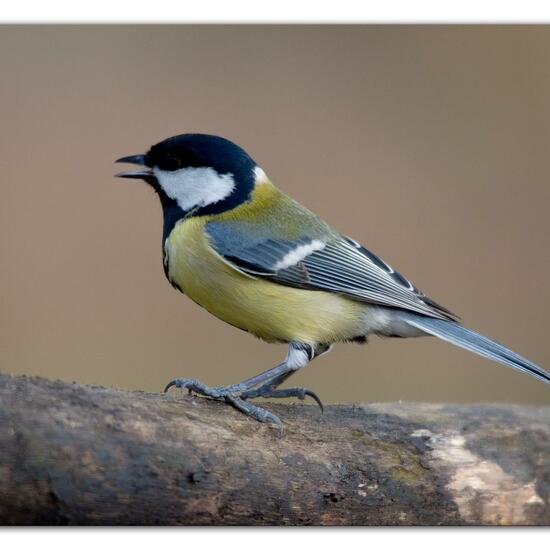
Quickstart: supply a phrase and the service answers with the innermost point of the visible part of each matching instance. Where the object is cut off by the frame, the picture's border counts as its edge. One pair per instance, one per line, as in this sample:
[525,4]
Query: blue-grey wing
[329,262]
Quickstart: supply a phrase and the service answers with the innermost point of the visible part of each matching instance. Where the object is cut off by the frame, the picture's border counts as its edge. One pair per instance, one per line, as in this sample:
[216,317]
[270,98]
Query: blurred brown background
[428,144]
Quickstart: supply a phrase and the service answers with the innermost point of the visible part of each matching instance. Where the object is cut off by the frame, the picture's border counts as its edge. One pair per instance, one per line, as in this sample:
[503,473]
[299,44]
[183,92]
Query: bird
[255,258]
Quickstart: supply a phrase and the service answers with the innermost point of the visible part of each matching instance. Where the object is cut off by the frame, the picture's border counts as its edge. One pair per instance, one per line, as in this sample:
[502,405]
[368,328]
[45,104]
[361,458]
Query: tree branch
[81,455]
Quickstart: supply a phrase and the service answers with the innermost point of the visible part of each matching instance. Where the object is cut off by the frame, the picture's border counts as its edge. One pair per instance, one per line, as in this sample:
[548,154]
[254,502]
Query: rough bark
[81,455]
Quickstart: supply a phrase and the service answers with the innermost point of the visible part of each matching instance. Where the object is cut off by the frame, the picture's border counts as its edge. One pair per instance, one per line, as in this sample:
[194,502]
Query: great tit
[258,260]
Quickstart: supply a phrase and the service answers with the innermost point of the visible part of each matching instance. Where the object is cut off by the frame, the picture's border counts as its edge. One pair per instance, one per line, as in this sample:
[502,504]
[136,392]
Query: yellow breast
[268,310]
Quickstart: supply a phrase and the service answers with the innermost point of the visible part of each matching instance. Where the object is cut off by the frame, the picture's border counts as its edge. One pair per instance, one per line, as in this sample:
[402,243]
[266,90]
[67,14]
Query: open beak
[145,173]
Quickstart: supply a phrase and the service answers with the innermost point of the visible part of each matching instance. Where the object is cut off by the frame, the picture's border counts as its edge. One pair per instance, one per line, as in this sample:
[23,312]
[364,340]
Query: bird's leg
[299,355]
[269,389]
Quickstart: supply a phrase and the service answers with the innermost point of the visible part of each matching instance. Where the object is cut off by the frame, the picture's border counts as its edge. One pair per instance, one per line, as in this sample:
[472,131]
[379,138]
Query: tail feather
[458,335]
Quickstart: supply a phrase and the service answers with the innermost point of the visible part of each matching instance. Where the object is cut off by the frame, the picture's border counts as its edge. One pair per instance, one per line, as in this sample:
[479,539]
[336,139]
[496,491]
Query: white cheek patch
[195,187]
[299,253]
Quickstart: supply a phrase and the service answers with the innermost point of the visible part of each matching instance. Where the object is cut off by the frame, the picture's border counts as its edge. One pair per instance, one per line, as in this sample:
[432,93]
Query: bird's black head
[196,174]
[201,151]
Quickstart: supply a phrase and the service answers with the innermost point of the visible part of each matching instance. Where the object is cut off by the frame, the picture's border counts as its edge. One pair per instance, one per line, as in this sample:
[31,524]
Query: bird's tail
[458,335]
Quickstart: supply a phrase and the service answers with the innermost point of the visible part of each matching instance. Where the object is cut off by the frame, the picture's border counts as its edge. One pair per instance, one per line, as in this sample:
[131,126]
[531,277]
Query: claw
[316,398]
[170,384]
[277,421]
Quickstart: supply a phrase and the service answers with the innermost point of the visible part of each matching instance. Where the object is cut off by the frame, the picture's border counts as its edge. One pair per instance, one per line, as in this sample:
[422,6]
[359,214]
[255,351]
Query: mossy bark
[81,455]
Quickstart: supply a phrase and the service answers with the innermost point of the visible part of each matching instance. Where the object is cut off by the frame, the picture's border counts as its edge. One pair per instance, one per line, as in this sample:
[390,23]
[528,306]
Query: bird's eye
[169,163]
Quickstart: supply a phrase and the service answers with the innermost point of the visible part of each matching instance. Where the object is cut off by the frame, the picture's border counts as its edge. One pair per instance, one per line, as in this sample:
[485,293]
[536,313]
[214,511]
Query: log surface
[82,455]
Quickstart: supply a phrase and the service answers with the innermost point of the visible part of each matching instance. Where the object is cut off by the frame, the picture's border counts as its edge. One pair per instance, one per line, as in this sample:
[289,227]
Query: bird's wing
[329,262]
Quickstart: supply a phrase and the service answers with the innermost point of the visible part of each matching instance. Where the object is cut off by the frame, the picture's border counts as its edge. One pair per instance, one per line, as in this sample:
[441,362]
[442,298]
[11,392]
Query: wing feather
[331,262]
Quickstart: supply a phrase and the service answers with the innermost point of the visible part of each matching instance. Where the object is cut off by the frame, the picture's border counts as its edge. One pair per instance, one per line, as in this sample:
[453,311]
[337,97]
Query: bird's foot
[230,394]
[236,396]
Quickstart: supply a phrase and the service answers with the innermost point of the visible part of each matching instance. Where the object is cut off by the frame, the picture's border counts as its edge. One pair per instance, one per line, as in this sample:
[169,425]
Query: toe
[181,383]
[262,415]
